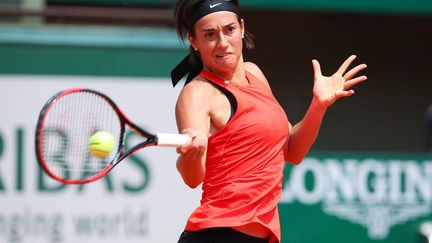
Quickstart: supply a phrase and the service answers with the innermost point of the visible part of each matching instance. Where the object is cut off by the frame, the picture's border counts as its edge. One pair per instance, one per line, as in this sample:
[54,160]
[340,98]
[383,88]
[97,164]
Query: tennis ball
[101,143]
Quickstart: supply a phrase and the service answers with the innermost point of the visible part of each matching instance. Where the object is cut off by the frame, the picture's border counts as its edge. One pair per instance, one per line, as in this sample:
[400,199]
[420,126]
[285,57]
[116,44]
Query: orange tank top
[244,164]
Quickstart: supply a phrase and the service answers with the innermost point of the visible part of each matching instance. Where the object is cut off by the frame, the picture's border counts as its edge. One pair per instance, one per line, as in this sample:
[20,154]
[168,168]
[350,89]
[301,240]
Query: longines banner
[330,197]
[359,197]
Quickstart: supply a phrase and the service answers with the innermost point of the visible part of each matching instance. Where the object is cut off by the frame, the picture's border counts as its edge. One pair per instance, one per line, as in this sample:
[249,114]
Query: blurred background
[367,179]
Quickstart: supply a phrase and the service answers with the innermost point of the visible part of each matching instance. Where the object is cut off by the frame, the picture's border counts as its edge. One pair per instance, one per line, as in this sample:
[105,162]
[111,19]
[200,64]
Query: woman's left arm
[326,91]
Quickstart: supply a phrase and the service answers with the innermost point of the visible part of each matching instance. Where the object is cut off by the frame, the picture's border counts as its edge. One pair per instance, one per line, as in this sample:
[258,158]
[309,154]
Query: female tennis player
[241,136]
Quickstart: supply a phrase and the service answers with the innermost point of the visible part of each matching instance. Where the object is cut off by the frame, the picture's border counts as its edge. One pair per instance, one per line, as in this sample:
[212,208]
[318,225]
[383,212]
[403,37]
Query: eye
[230,29]
[209,34]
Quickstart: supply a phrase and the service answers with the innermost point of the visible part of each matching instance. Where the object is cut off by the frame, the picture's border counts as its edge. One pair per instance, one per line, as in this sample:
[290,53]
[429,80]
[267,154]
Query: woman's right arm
[192,116]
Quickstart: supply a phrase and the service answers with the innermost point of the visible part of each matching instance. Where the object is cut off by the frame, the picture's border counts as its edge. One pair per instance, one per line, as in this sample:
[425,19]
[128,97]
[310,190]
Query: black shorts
[218,235]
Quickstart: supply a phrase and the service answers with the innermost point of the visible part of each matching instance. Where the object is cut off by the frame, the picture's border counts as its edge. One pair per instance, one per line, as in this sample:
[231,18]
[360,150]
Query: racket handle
[172,140]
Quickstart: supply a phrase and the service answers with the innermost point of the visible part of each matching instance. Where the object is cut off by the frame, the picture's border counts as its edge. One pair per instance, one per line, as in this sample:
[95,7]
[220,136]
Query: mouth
[223,55]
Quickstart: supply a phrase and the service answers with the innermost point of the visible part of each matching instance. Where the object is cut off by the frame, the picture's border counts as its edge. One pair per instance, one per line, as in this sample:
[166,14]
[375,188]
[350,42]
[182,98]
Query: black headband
[211,6]
[186,66]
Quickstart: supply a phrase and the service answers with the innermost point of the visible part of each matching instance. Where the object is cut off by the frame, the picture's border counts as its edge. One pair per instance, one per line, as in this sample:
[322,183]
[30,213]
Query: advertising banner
[357,197]
[142,200]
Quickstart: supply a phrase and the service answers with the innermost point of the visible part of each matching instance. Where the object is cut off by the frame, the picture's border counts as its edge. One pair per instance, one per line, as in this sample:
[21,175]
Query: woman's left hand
[329,89]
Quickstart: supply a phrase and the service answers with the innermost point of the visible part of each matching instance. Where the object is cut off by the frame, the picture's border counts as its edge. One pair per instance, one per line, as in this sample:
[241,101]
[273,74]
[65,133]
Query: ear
[191,41]
[242,26]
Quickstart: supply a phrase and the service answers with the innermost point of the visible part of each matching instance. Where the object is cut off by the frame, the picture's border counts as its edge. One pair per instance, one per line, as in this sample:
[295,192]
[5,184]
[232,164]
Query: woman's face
[218,38]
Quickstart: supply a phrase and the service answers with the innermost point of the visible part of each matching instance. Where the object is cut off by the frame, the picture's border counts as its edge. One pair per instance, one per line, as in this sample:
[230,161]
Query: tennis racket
[70,118]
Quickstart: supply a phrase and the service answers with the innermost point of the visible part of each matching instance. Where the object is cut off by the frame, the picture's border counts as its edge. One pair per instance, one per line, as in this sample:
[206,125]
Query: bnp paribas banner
[142,200]
[330,197]
[358,197]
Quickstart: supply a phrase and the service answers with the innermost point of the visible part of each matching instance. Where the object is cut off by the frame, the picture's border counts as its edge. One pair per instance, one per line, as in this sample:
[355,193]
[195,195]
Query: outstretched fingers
[350,83]
[344,93]
[345,65]
[340,83]
[351,73]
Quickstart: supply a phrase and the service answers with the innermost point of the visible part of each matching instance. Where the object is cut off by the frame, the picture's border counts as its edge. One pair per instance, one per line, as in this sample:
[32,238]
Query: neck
[237,75]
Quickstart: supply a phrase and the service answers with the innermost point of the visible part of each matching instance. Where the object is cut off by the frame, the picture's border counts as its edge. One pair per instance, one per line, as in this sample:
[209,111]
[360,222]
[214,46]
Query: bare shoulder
[196,88]
[196,94]
[256,71]
[194,105]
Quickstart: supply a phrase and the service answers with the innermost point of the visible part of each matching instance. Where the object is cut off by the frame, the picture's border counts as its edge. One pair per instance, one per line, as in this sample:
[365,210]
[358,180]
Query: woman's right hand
[195,148]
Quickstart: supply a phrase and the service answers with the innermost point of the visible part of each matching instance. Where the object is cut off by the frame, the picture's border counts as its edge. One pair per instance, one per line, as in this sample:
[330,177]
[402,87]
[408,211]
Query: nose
[222,41]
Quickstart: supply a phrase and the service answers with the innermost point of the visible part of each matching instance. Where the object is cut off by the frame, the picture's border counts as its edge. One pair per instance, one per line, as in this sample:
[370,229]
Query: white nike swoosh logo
[214,5]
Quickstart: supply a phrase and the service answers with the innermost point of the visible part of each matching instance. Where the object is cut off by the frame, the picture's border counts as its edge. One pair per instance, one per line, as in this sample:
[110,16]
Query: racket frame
[170,140]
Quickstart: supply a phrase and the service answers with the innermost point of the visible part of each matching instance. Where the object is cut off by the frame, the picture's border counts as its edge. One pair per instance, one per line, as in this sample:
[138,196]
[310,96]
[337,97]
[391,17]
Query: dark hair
[182,13]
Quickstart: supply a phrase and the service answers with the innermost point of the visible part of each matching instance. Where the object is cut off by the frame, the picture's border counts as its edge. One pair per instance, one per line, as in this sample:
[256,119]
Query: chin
[227,65]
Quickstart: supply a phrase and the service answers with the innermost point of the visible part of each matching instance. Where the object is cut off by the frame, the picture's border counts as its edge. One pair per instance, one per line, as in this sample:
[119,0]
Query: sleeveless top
[245,161]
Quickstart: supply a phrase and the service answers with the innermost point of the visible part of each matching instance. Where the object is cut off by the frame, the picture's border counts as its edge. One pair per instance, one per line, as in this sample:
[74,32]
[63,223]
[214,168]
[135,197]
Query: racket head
[65,124]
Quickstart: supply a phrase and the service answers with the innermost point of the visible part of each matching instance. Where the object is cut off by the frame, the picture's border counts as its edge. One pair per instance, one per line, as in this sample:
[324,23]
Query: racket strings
[69,123]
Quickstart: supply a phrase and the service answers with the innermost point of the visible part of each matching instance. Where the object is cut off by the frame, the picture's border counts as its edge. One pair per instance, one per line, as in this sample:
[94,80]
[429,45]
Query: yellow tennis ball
[101,143]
